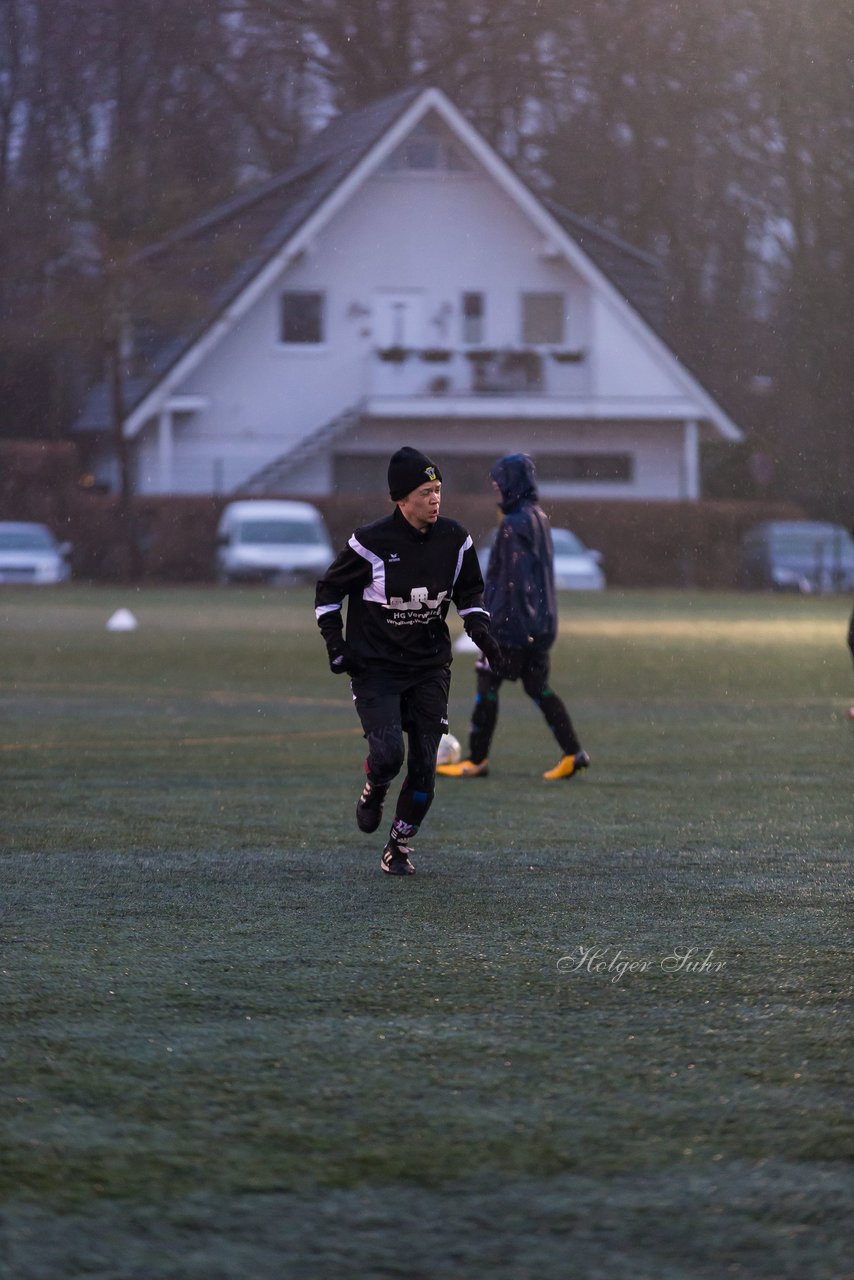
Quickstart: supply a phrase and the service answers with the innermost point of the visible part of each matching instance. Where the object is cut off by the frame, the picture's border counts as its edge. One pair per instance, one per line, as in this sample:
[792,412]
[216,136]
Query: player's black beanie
[407,470]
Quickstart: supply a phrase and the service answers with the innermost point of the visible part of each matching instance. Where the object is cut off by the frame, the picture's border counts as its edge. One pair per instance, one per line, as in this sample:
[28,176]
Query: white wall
[626,362]
[439,233]
[442,234]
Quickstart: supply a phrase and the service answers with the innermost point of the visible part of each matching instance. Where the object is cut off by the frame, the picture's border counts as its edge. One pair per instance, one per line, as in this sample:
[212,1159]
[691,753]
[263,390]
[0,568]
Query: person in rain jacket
[520,597]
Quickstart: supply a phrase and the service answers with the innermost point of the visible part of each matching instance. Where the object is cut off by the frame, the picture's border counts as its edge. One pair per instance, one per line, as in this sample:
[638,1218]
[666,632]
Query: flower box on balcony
[393,355]
[567,357]
[521,358]
[508,370]
[435,355]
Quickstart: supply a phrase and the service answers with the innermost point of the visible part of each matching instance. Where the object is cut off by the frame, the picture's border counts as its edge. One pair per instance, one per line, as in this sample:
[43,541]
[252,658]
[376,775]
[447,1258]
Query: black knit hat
[407,470]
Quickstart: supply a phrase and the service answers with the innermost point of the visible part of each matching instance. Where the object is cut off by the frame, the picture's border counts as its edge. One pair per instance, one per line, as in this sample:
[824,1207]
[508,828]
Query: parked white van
[271,541]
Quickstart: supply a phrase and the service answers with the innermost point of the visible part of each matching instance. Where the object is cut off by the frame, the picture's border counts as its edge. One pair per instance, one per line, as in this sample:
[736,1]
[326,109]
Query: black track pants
[533,670]
[389,707]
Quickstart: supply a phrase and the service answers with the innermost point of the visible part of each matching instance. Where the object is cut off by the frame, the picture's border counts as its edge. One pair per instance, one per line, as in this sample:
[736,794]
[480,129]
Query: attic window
[427,149]
[302,318]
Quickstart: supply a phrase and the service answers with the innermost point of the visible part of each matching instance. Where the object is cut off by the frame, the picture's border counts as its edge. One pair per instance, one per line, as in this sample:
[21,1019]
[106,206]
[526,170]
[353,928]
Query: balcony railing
[508,371]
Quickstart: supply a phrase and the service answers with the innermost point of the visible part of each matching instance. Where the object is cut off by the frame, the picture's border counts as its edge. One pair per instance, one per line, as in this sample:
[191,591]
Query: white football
[463,644]
[450,751]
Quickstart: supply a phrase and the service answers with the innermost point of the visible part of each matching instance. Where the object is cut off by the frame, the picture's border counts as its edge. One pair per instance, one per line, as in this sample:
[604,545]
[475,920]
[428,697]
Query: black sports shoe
[369,810]
[395,860]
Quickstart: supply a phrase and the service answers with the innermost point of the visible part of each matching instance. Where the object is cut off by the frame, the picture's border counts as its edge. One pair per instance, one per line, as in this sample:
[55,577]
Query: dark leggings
[533,671]
[390,709]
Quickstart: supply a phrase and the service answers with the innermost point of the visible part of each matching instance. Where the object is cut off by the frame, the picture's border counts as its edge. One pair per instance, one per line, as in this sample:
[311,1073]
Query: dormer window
[428,148]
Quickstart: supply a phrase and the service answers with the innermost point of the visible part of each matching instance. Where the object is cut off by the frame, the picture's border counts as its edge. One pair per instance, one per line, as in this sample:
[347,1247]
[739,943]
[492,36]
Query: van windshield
[830,547]
[276,532]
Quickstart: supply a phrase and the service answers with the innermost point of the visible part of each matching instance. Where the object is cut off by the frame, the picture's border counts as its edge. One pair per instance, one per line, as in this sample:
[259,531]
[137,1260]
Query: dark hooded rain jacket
[520,590]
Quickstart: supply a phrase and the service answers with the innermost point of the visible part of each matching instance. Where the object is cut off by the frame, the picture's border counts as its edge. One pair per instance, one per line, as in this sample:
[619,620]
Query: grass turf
[231,1047]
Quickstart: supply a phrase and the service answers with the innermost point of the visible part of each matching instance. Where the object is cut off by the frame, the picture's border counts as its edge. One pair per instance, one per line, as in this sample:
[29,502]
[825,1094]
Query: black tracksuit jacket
[399,584]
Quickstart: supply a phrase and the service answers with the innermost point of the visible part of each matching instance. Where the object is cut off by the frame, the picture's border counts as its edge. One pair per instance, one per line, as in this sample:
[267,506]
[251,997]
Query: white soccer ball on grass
[450,751]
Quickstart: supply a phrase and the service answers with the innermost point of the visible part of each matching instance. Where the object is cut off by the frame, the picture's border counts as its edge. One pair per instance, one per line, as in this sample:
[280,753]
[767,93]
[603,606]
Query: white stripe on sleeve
[374,593]
[326,608]
[463,549]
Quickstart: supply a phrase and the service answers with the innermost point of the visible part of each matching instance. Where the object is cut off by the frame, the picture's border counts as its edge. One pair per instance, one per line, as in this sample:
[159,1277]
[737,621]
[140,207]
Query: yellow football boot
[465,769]
[568,766]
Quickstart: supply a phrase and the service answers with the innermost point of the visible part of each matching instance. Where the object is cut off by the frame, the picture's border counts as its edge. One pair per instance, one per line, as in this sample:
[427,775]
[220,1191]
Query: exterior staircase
[273,477]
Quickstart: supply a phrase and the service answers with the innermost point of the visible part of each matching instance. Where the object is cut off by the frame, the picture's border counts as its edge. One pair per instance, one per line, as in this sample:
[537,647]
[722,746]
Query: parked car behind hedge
[577,568]
[265,540]
[798,555]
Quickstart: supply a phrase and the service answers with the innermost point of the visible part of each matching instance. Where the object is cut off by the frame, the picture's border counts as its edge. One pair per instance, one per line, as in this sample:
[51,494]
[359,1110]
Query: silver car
[577,568]
[807,556]
[29,553]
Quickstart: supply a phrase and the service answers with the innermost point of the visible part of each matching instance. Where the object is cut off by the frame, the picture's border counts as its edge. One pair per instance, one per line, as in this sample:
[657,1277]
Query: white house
[400,284]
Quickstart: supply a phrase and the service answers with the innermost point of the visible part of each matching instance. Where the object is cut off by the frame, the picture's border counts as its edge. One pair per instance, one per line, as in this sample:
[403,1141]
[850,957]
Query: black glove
[489,647]
[342,660]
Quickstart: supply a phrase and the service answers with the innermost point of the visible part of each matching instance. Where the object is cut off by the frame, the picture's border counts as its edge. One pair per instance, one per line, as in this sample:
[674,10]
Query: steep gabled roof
[637,275]
[199,277]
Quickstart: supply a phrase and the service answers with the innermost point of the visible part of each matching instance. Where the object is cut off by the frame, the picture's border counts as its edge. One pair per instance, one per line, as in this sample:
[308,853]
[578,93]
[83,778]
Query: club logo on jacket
[394,558]
[419,598]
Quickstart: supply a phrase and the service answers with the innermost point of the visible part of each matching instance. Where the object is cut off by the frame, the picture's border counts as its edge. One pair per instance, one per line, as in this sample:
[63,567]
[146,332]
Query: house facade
[400,284]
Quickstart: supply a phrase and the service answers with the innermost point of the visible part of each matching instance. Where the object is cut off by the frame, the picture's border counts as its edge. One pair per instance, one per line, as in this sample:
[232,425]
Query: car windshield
[834,548]
[566,543]
[276,532]
[26,540]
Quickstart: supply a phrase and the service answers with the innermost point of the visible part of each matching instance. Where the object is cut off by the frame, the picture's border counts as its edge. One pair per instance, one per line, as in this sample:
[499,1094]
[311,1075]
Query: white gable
[628,363]
[429,218]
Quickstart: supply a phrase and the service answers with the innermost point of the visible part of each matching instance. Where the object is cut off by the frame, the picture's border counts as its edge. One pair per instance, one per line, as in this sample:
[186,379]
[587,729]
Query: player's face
[421,507]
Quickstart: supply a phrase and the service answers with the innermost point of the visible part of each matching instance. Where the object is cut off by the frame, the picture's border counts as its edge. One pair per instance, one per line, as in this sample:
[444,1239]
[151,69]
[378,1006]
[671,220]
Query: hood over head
[514,475]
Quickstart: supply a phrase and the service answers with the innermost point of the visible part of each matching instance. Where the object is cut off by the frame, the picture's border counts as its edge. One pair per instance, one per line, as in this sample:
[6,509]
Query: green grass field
[233,1050]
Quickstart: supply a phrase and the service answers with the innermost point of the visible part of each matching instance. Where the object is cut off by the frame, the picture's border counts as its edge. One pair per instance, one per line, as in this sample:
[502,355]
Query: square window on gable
[302,318]
[543,318]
